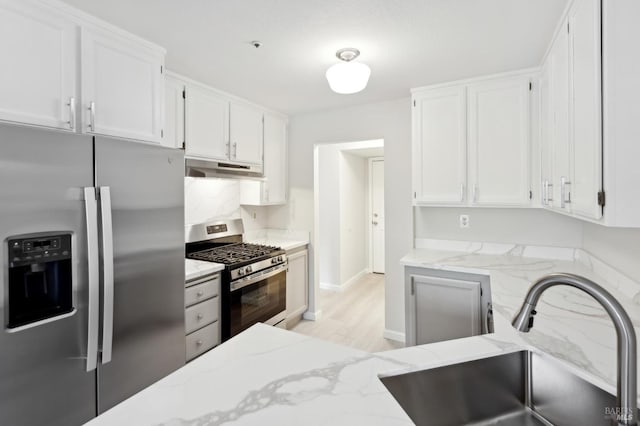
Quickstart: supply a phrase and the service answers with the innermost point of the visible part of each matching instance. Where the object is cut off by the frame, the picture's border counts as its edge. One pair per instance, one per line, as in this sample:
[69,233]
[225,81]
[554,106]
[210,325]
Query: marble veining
[207,199]
[194,269]
[284,238]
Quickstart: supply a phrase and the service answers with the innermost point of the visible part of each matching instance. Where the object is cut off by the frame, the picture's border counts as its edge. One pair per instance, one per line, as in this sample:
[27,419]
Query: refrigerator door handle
[107,273]
[91,212]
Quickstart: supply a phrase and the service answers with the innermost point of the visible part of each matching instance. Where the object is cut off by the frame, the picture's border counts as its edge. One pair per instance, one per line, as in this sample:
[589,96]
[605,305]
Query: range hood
[213,168]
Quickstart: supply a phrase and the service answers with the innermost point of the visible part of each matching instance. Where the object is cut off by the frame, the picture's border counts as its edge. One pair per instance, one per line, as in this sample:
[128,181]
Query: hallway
[353,318]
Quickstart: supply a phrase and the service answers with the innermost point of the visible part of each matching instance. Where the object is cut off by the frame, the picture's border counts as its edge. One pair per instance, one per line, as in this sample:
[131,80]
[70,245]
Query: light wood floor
[352,318]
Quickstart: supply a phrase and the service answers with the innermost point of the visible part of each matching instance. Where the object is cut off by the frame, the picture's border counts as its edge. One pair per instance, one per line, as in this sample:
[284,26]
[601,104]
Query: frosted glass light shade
[348,77]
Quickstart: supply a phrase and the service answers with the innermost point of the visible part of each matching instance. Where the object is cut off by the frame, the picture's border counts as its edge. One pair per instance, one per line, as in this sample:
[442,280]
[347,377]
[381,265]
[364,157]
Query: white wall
[390,121]
[353,214]
[520,226]
[328,241]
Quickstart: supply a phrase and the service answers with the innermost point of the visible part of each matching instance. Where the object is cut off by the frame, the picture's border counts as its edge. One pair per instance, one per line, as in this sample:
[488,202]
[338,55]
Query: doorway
[376,191]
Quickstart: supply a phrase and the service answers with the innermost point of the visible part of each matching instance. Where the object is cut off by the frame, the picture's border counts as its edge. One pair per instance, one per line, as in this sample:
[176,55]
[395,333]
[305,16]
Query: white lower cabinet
[297,283]
[39,71]
[445,307]
[202,315]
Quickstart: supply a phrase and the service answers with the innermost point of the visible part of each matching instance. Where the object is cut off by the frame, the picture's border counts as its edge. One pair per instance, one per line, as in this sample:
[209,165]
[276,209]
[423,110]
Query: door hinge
[601,198]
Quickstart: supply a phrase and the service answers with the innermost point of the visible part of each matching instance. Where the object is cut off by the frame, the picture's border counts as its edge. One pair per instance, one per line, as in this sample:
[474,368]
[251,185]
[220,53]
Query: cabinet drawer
[197,316]
[203,340]
[203,291]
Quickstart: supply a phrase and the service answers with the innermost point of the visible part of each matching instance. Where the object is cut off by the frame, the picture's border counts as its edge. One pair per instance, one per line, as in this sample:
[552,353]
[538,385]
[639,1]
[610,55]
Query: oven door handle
[243,282]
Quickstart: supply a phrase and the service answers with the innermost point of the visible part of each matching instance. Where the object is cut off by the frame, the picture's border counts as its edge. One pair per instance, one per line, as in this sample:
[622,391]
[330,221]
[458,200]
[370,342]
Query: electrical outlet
[464,220]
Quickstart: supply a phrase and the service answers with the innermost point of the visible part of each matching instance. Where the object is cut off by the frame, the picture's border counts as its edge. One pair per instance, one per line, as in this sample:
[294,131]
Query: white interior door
[377,215]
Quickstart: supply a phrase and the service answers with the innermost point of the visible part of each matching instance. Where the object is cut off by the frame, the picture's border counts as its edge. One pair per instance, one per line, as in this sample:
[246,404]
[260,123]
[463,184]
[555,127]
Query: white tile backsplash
[210,198]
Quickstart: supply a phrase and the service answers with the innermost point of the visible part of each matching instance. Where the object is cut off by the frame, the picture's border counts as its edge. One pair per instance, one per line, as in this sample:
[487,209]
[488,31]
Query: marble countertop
[197,268]
[569,325]
[268,376]
[286,239]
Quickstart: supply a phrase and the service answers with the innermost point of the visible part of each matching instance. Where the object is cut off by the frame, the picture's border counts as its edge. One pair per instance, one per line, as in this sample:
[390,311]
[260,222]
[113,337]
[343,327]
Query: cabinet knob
[199,316]
[200,293]
[199,342]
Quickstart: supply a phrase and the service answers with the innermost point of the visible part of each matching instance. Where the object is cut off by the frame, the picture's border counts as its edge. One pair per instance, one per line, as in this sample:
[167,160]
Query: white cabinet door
[122,86]
[546,136]
[559,125]
[39,51]
[297,283]
[246,133]
[207,124]
[499,142]
[585,42]
[275,159]
[174,93]
[439,146]
[443,309]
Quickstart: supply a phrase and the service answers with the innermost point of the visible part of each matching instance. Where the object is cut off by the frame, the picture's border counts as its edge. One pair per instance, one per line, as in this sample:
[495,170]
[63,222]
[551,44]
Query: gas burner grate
[233,253]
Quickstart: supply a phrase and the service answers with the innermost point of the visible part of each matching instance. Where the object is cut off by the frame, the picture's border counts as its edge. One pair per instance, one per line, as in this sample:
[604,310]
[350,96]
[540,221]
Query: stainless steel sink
[521,388]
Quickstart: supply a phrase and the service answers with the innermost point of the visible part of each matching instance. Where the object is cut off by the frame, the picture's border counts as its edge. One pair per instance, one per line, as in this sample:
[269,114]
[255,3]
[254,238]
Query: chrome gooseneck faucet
[627,348]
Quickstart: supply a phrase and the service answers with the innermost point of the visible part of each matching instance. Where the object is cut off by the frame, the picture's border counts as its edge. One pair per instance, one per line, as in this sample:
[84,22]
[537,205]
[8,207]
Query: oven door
[260,297]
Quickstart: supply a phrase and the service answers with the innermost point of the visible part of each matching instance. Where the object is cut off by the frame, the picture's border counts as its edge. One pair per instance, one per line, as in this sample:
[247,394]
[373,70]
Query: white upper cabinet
[471,142]
[440,146]
[275,158]
[585,63]
[246,133]
[174,94]
[122,86]
[273,189]
[560,136]
[39,71]
[499,142]
[545,136]
[207,124]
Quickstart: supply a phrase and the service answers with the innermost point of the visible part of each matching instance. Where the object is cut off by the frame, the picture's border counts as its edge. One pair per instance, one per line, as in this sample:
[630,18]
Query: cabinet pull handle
[565,196]
[228,145]
[72,113]
[92,116]
[545,193]
[475,193]
[462,192]
[235,150]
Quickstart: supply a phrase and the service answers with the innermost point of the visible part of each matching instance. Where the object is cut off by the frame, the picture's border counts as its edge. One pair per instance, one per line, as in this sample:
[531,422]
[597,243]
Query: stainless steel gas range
[254,281]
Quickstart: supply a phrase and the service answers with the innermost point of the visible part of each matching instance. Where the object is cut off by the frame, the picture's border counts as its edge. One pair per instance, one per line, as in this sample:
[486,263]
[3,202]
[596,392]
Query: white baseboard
[394,335]
[312,316]
[346,284]
[330,286]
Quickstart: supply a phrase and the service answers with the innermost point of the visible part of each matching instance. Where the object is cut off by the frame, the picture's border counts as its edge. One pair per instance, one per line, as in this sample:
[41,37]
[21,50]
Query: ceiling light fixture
[348,77]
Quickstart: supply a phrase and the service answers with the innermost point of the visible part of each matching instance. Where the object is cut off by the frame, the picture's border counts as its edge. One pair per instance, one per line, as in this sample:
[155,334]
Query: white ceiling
[407,43]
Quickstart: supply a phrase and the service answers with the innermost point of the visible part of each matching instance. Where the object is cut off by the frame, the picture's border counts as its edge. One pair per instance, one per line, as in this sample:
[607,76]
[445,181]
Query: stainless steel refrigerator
[93,272]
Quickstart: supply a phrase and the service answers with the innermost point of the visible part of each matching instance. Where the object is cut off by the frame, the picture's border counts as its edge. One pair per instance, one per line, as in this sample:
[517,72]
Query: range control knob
[274,260]
[241,271]
[279,258]
[248,269]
